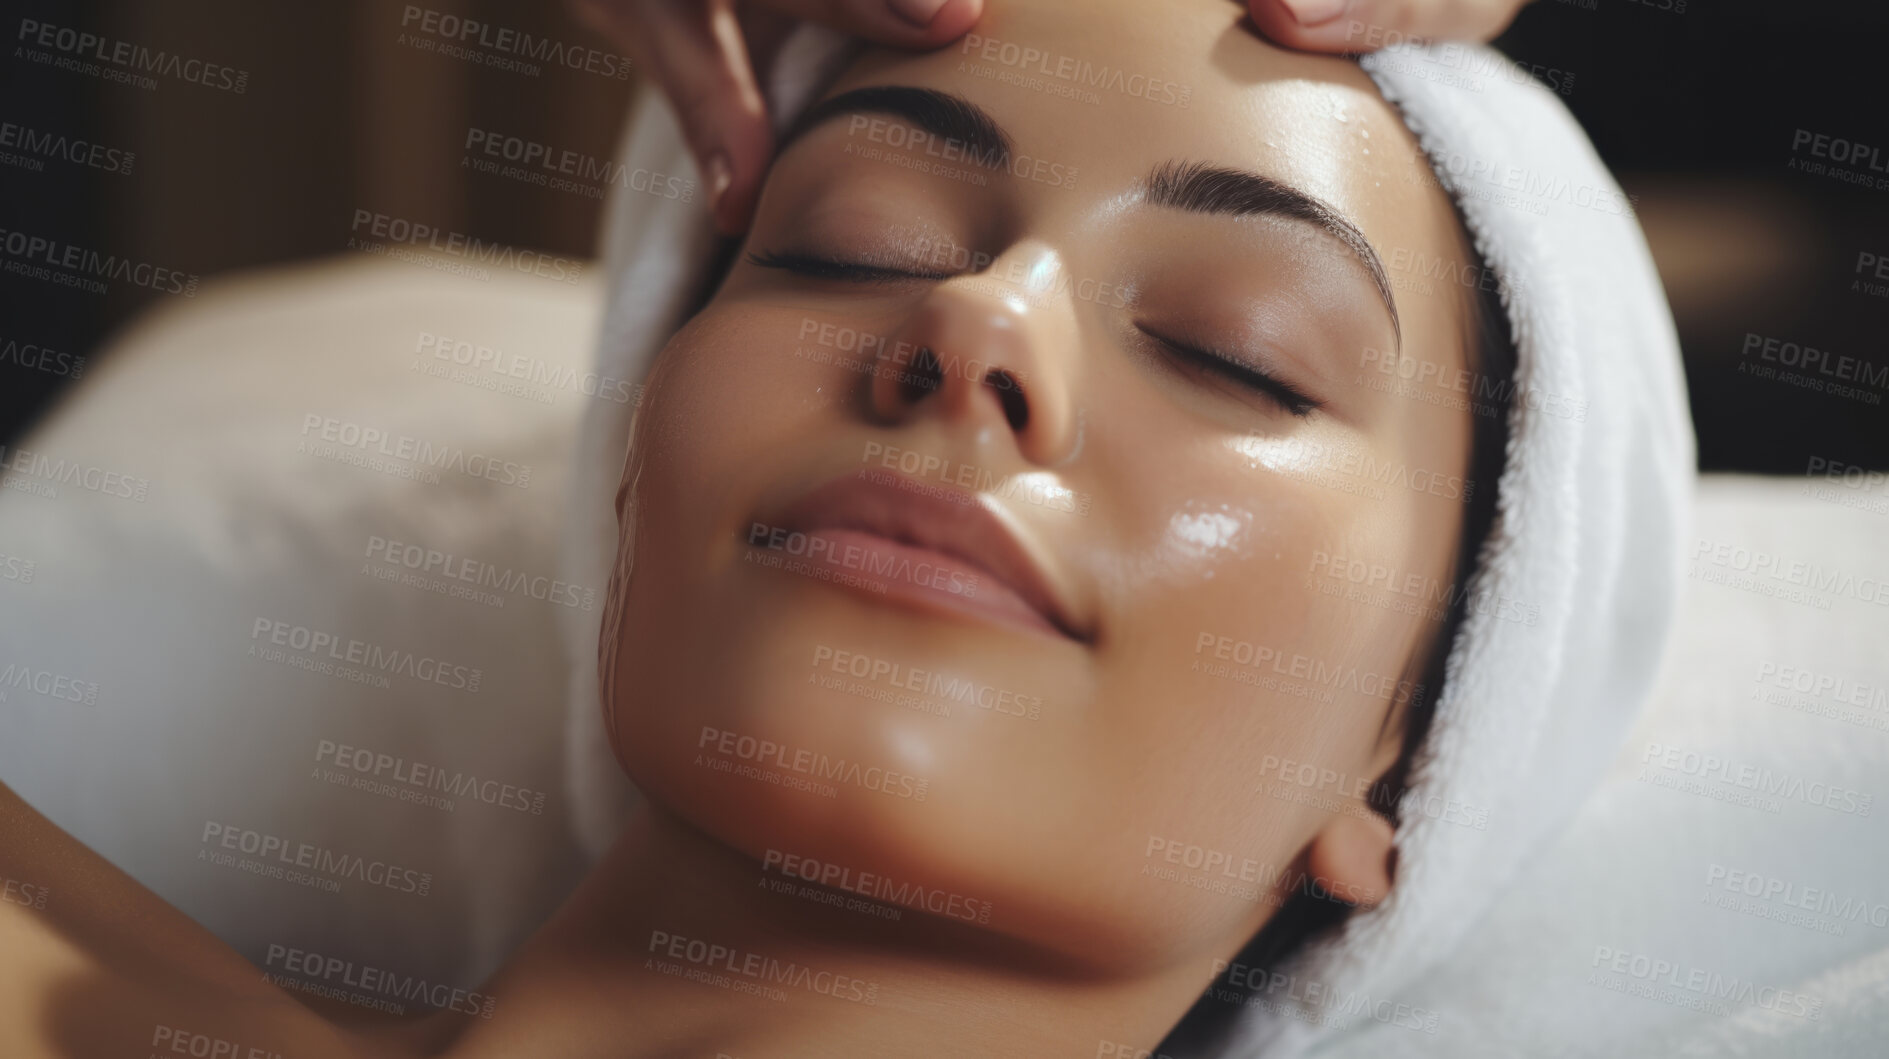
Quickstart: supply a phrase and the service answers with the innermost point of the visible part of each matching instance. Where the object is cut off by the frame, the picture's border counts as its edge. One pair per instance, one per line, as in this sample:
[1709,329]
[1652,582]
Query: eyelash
[846,271]
[1289,398]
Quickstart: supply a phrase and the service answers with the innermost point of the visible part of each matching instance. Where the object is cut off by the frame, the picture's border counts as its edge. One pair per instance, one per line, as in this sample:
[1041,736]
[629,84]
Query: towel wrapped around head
[1591,505]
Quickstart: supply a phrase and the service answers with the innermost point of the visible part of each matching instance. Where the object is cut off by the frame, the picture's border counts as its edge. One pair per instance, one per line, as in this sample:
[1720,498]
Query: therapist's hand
[703,57]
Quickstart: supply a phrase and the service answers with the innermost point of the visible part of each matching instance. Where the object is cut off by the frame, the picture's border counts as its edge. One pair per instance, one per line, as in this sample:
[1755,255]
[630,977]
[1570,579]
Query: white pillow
[258,601]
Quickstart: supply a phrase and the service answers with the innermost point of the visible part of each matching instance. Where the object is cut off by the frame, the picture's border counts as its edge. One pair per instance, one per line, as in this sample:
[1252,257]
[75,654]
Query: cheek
[733,396]
[1243,685]
[1225,561]
[692,464]
[726,379]
[1211,697]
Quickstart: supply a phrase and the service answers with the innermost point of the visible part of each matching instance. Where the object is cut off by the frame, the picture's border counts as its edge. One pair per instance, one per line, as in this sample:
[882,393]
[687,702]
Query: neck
[677,945]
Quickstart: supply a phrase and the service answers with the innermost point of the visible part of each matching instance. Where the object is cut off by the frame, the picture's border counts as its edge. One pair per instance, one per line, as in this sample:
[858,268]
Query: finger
[694,52]
[1367,25]
[916,24]
[616,19]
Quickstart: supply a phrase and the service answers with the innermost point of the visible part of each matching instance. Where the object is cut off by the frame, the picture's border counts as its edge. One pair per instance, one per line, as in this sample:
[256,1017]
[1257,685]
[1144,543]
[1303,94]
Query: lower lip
[884,569]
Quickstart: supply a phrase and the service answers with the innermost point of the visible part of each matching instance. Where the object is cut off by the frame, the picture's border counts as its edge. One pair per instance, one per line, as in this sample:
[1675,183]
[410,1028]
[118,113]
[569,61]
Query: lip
[921,544]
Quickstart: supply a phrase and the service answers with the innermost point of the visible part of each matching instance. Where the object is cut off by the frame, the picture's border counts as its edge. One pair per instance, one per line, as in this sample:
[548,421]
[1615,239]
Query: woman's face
[1052,615]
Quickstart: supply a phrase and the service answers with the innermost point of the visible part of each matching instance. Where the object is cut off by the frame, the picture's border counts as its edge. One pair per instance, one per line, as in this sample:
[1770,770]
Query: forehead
[1112,86]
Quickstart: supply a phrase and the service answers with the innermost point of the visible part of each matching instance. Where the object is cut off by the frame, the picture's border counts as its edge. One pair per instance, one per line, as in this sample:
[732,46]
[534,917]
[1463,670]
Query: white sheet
[155,602]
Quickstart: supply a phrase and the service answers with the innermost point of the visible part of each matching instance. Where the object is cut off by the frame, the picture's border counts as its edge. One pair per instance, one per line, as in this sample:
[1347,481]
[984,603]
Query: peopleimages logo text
[419,774]
[333,863]
[472,32]
[401,663]
[368,223]
[378,981]
[38,250]
[1075,71]
[129,56]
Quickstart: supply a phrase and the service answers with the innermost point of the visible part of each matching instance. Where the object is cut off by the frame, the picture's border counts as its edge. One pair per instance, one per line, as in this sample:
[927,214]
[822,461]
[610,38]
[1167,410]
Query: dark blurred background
[1697,105]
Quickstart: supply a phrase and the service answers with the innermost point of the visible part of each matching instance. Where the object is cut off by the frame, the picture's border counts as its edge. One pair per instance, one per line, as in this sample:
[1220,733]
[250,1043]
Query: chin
[740,725]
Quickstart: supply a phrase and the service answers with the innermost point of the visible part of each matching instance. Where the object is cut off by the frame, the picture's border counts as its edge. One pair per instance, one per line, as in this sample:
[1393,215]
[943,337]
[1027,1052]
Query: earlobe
[1350,857]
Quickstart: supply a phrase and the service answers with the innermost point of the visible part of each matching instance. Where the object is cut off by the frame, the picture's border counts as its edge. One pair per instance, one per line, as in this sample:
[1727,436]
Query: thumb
[1367,25]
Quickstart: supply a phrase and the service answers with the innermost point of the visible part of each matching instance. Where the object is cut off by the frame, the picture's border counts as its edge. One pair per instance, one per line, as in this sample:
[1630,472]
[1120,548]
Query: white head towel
[1592,505]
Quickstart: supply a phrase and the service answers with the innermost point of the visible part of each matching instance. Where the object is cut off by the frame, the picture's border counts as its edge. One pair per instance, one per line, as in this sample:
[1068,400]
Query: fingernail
[720,175]
[1314,12]
[918,12]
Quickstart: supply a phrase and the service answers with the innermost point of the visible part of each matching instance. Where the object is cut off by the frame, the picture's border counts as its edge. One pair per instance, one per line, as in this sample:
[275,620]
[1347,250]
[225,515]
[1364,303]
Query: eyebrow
[1201,188]
[939,113]
[1193,187]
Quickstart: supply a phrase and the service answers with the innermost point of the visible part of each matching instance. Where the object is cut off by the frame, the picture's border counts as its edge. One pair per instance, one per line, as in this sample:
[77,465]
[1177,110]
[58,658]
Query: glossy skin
[1206,506]
[1209,506]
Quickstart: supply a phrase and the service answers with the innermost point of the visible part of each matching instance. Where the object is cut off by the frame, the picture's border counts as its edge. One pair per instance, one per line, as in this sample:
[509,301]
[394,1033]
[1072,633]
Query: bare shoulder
[92,963]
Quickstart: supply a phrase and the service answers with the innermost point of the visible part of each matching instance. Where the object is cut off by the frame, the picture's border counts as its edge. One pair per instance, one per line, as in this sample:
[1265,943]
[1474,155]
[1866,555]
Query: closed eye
[817,267]
[1289,397]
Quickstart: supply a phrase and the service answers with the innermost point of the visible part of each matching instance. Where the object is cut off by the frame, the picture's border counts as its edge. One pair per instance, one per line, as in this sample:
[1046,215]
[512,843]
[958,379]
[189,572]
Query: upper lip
[946,519]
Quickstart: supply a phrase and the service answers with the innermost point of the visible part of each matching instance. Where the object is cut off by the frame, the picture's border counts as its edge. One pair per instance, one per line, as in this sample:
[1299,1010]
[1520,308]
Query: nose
[989,355]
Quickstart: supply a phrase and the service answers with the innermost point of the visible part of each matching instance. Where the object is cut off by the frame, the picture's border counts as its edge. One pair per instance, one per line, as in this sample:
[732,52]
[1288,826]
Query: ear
[1350,857]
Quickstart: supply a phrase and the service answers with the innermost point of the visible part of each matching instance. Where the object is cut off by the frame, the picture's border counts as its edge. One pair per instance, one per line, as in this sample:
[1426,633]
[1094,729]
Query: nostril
[926,376]
[1010,392]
